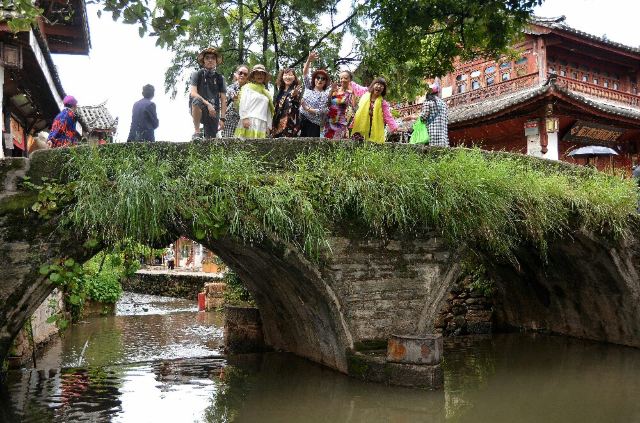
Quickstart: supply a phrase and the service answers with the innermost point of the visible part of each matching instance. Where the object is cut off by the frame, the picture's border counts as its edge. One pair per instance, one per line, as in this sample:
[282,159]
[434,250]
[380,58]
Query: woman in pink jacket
[373,112]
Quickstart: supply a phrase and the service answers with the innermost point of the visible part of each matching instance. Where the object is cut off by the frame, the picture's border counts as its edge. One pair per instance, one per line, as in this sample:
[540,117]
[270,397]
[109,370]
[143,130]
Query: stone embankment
[177,284]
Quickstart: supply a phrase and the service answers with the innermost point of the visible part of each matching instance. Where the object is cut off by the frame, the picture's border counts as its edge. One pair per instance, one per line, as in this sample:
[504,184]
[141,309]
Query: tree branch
[321,39]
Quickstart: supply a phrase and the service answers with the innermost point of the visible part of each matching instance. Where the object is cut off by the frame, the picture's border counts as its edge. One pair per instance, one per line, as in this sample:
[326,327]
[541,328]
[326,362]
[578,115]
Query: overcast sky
[120,62]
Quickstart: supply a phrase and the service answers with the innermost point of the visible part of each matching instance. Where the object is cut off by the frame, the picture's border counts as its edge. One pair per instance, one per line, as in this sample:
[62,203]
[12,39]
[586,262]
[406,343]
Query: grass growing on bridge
[495,201]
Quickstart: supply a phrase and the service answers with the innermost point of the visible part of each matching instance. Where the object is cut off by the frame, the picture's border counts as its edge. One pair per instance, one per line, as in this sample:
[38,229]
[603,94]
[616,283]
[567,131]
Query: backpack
[219,83]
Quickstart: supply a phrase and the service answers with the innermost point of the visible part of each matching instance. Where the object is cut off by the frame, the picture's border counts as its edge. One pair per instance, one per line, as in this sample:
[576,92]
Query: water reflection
[284,388]
[141,367]
[141,337]
[541,378]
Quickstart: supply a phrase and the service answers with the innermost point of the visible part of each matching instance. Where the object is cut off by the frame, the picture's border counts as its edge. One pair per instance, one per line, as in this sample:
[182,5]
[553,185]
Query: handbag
[420,134]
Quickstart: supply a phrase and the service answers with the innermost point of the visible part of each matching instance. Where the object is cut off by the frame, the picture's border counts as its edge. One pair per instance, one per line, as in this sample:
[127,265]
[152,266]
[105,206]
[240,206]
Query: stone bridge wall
[365,290]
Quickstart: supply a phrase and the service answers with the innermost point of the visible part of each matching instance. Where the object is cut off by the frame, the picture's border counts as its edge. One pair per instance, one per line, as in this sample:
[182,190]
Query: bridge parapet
[368,284]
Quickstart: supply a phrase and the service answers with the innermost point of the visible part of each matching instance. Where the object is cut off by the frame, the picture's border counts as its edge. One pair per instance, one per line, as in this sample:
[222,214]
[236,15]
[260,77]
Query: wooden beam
[63,48]
[64,30]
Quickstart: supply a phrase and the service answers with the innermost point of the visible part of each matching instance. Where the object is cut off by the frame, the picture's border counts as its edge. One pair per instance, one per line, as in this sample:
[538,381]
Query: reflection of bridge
[366,290]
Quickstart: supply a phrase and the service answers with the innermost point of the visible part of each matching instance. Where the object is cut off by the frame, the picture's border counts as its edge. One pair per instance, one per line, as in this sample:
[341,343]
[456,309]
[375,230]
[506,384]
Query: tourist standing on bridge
[315,98]
[286,119]
[256,106]
[434,114]
[342,105]
[240,77]
[207,95]
[63,131]
[373,112]
[144,119]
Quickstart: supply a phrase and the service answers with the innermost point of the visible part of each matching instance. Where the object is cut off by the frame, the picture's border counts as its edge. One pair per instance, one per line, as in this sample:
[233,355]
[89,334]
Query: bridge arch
[366,290]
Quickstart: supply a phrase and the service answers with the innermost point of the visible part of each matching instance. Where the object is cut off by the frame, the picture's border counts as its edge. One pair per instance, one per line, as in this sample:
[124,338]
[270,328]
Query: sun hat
[209,50]
[260,68]
[69,101]
[323,73]
[435,87]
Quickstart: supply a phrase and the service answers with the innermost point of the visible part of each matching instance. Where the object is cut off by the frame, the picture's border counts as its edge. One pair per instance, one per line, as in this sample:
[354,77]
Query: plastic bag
[420,134]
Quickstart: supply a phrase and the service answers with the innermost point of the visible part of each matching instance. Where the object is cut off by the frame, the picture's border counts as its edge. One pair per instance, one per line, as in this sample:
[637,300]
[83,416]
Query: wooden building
[30,85]
[98,126]
[566,89]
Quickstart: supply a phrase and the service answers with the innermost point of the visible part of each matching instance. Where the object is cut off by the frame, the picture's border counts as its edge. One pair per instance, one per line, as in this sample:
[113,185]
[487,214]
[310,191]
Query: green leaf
[55,277]
[44,269]
[90,243]
[69,262]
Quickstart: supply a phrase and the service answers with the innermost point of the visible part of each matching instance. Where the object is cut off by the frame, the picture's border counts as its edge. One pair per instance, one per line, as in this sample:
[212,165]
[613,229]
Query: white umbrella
[593,150]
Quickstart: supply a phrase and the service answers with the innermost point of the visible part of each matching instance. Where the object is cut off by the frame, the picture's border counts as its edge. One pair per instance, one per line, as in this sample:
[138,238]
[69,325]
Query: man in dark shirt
[144,118]
[208,94]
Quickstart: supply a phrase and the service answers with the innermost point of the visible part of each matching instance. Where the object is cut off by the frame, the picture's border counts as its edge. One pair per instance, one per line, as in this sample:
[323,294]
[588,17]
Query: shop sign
[531,127]
[593,133]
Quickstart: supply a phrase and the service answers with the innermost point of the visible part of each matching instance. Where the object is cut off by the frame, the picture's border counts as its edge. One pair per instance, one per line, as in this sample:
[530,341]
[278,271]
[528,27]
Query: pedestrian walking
[144,119]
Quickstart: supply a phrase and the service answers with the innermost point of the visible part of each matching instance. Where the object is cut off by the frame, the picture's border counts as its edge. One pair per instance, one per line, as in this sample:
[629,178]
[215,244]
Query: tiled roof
[96,118]
[490,106]
[604,105]
[558,23]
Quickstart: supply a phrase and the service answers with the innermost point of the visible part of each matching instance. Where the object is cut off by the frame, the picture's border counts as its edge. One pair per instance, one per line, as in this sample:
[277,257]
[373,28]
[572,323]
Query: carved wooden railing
[480,94]
[523,82]
[598,91]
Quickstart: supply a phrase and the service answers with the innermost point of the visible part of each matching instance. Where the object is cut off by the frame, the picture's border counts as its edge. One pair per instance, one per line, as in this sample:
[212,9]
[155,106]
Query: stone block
[373,367]
[243,330]
[415,375]
[425,349]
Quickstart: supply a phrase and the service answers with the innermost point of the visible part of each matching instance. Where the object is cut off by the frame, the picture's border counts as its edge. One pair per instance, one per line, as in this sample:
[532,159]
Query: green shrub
[236,293]
[104,287]
[490,201]
[103,274]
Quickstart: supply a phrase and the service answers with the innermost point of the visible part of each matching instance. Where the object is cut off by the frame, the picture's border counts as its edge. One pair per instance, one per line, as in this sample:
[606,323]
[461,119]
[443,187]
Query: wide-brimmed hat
[209,50]
[323,73]
[260,68]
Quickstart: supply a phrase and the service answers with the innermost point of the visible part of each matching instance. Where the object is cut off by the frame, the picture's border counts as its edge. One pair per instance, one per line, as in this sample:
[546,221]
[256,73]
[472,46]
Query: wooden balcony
[496,90]
[598,91]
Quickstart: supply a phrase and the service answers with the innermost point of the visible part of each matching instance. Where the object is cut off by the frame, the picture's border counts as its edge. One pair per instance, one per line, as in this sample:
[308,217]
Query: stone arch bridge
[367,290]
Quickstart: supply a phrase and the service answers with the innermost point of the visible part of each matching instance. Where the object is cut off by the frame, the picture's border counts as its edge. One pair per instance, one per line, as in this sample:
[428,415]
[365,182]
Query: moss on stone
[370,345]
[357,366]
[20,203]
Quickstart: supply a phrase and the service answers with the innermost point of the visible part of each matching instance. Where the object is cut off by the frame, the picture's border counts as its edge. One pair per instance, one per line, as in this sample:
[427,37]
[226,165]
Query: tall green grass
[496,202]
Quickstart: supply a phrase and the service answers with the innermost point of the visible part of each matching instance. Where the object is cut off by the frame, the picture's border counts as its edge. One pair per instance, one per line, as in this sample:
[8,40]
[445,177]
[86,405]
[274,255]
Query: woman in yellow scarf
[373,112]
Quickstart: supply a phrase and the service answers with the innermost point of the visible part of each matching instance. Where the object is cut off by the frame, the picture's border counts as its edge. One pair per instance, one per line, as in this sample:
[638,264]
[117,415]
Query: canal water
[159,360]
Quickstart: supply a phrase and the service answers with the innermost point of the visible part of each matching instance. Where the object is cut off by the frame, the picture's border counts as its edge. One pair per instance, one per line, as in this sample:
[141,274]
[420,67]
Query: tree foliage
[401,40]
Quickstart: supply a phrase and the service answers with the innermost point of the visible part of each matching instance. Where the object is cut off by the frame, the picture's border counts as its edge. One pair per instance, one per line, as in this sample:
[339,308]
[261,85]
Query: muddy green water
[158,360]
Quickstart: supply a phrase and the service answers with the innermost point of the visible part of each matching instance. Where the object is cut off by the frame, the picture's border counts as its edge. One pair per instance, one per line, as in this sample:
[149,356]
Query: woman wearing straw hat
[256,106]
[315,98]
[207,95]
